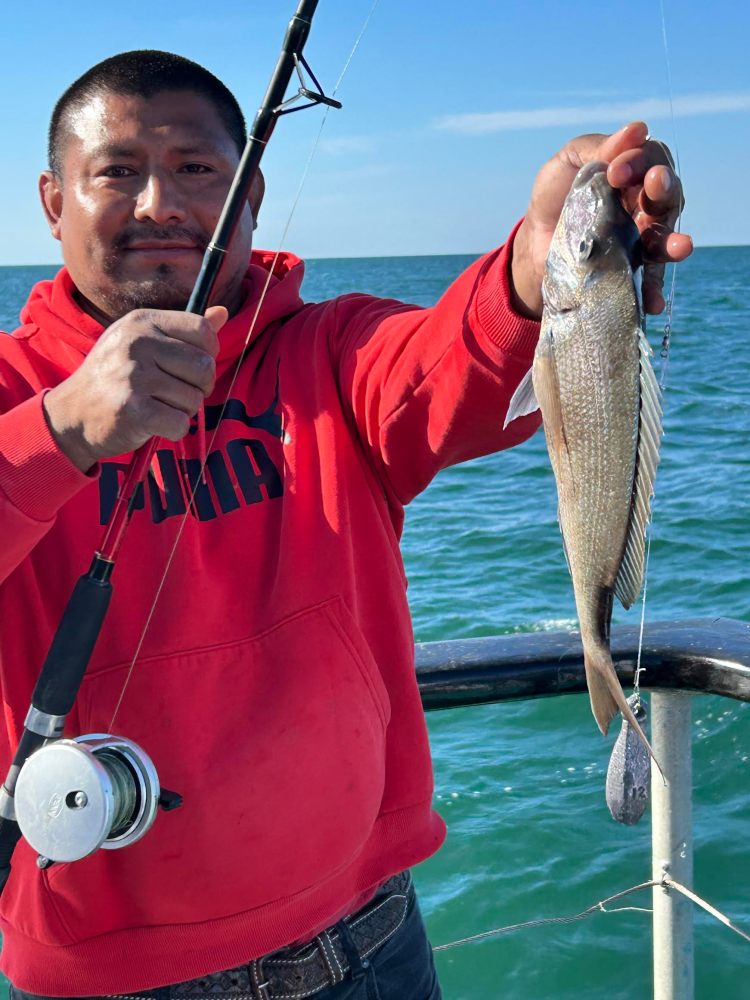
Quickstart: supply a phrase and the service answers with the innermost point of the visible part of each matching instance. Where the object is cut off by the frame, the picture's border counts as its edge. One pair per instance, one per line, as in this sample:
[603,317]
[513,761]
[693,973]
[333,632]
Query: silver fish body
[593,381]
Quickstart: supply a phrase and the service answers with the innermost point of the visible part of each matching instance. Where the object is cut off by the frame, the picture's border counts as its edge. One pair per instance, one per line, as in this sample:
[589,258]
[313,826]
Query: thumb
[217,317]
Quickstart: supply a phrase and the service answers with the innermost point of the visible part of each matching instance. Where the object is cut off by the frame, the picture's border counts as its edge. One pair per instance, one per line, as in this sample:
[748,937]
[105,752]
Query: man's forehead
[107,121]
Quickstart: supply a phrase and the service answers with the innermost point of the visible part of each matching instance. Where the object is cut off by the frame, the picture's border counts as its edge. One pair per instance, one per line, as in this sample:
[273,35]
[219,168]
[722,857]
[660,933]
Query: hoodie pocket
[277,745]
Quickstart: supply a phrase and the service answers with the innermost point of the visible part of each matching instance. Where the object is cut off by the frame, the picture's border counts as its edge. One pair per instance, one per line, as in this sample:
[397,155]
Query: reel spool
[74,796]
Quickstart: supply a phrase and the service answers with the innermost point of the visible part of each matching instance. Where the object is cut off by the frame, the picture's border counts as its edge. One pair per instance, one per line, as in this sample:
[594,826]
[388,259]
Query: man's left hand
[642,170]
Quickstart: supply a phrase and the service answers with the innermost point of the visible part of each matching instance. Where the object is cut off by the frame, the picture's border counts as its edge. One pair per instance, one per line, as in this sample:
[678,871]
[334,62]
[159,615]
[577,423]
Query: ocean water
[521,785]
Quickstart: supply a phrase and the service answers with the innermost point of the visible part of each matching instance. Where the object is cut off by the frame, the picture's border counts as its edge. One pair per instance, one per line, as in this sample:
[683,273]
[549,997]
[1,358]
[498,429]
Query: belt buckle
[260,984]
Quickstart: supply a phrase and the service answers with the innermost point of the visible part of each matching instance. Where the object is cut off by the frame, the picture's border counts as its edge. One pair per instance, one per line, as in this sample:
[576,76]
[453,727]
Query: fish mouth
[588,171]
[609,208]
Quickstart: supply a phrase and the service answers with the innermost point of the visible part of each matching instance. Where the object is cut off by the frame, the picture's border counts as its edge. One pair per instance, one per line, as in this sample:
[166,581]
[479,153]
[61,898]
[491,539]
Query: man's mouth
[167,247]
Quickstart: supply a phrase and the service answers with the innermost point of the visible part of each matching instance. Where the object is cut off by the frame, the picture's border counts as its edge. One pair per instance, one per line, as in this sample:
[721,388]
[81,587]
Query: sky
[450,108]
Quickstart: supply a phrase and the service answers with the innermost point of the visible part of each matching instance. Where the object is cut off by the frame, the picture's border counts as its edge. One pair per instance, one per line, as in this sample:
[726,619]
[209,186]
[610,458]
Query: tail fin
[607,697]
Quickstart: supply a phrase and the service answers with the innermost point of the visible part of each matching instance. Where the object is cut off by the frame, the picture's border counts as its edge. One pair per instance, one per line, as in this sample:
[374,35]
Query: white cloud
[577,93]
[618,112]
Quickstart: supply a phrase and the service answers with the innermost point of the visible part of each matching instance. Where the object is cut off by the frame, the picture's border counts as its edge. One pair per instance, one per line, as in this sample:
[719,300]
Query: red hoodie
[274,687]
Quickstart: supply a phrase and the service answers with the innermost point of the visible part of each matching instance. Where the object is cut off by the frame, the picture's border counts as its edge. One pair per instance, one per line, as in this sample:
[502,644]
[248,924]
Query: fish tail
[607,697]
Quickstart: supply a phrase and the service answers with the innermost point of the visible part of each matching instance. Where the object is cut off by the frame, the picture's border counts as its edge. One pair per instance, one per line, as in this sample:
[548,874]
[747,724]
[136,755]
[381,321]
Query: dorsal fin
[630,576]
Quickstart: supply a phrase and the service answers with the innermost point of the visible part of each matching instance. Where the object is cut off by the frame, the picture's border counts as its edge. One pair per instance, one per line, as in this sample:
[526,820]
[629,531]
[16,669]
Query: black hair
[143,73]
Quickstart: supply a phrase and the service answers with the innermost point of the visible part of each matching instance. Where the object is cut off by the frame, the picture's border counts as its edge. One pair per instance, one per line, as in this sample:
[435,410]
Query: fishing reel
[74,796]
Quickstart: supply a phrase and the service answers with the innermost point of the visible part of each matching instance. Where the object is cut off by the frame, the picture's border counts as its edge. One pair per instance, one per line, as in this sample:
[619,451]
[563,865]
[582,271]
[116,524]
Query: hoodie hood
[53,309]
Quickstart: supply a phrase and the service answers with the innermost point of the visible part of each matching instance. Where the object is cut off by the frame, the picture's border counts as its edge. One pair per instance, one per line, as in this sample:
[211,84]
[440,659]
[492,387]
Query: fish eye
[586,247]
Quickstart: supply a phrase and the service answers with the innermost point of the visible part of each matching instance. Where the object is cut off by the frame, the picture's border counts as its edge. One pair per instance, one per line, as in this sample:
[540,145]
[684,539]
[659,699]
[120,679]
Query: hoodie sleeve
[36,479]
[428,388]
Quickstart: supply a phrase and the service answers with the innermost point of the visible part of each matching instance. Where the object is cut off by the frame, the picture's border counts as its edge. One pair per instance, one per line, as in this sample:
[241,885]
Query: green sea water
[521,785]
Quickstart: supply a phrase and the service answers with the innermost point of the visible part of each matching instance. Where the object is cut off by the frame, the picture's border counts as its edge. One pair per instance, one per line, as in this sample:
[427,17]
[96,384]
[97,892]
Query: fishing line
[716,914]
[666,339]
[601,907]
[235,374]
[667,332]
[541,921]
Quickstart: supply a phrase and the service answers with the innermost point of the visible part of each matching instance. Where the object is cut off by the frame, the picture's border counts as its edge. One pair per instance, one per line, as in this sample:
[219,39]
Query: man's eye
[195,168]
[118,171]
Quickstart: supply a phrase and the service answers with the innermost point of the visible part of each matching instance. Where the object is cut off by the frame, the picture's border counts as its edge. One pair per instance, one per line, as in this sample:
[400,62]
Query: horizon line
[426,253]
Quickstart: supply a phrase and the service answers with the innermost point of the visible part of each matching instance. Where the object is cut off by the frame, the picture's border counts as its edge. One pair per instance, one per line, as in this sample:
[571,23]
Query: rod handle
[73,643]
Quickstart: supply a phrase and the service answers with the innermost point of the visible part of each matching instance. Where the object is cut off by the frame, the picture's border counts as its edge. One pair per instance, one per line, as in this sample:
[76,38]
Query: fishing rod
[68,797]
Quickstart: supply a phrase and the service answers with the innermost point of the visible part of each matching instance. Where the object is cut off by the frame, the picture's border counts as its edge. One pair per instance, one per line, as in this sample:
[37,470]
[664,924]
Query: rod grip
[72,646]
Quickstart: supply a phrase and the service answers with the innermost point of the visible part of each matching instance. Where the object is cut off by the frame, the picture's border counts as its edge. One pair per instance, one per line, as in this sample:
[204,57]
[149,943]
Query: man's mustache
[161,234]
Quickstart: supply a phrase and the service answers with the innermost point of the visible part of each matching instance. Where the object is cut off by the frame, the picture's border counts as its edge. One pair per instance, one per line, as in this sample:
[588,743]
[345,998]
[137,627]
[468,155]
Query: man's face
[143,183]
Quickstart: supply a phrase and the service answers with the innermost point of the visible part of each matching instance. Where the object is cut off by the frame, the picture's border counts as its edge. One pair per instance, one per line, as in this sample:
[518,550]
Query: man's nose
[160,201]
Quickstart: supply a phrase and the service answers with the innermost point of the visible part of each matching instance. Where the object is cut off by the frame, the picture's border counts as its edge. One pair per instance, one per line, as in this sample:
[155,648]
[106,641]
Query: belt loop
[330,957]
[358,967]
[258,981]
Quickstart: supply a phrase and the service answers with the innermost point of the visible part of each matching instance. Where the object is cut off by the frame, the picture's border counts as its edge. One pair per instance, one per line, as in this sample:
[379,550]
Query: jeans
[402,969]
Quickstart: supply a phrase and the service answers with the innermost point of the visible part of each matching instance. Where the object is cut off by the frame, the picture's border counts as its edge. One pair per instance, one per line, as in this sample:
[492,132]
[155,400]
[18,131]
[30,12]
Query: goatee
[162,289]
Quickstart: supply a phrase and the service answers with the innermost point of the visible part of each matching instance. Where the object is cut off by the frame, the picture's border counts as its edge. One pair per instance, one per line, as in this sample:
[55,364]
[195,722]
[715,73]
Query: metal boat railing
[705,655]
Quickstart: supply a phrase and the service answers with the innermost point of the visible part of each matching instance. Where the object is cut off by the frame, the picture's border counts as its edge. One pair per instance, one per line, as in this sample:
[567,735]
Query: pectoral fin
[523,400]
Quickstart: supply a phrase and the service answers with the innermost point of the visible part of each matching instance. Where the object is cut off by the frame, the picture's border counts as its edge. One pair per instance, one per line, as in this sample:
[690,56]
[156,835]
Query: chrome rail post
[672,844]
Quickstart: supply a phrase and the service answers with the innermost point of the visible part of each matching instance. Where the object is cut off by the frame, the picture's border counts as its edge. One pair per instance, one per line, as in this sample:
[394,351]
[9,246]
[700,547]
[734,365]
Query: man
[271,677]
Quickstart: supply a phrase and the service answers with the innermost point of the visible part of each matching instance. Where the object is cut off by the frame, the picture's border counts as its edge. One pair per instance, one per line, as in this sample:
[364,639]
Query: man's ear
[257,190]
[50,192]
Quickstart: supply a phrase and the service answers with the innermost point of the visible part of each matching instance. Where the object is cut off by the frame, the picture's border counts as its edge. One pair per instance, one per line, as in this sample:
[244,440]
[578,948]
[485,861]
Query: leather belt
[300,971]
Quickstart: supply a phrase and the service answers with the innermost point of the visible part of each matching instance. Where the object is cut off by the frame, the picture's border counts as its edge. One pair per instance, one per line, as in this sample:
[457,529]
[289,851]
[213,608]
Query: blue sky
[450,108]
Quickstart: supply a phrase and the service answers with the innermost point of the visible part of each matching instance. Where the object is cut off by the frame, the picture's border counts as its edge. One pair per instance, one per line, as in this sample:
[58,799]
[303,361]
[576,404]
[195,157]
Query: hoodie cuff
[35,475]
[496,317]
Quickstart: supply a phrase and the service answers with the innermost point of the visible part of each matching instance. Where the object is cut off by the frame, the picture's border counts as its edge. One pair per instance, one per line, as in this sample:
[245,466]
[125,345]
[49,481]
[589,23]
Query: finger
[662,192]
[660,244]
[191,365]
[631,165]
[629,168]
[184,326]
[679,246]
[630,137]
[675,247]
[651,288]
[159,419]
[177,394]
[597,146]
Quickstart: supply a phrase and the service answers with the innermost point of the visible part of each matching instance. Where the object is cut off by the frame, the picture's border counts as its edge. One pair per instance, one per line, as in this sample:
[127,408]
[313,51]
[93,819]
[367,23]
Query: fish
[593,380]
[629,772]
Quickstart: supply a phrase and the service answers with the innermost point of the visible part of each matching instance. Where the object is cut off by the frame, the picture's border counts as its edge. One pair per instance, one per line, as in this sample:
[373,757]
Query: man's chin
[164,287]
[154,293]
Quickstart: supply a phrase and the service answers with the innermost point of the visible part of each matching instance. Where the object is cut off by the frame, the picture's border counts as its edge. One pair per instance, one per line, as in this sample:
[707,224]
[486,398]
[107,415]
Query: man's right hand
[145,377]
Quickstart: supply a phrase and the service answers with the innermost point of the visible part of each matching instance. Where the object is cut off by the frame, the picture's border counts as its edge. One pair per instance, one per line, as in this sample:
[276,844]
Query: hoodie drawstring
[155,470]
[202,446]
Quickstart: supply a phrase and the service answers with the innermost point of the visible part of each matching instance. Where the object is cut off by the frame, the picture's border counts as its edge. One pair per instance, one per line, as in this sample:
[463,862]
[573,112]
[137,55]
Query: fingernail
[666,180]
[675,241]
